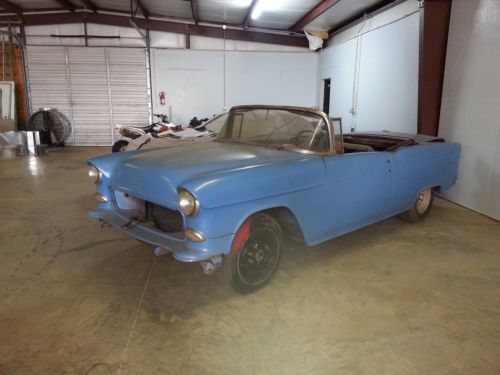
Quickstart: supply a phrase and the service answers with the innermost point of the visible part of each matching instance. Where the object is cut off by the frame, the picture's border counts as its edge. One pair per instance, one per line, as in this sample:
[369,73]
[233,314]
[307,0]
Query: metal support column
[434,24]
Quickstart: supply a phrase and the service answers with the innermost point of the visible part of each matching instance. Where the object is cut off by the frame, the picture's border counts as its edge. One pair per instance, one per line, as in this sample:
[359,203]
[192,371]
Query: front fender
[107,163]
[228,199]
[256,182]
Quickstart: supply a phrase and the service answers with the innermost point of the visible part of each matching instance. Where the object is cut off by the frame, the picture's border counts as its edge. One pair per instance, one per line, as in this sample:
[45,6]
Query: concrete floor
[394,298]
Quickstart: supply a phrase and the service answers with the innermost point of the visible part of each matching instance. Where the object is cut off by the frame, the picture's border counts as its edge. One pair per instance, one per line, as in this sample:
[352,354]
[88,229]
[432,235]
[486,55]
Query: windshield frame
[210,120]
[324,117]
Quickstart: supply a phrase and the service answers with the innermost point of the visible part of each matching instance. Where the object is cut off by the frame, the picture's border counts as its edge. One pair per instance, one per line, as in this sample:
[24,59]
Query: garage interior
[393,297]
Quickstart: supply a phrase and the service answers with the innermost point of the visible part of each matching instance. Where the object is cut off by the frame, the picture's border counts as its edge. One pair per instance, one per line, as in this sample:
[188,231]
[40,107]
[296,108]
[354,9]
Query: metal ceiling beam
[144,10]
[314,13]
[166,26]
[360,15]
[37,10]
[248,15]
[7,5]
[66,5]
[194,11]
[90,5]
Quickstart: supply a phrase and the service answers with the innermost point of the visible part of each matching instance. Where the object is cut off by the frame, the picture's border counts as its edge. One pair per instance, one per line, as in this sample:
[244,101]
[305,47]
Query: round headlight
[189,205]
[95,174]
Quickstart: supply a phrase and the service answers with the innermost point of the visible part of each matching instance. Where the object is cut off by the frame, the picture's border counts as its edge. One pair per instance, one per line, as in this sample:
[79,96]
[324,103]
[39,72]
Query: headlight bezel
[188,203]
[95,174]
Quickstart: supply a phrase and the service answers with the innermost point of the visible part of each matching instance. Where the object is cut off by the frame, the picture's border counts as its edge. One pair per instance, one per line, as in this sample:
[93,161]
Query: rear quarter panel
[421,167]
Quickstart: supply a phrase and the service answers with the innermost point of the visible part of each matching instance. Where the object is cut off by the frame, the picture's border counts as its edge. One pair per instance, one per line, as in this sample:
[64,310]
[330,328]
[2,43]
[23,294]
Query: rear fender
[421,167]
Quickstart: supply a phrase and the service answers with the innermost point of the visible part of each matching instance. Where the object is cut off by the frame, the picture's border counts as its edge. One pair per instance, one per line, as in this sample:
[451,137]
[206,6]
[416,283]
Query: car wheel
[255,254]
[119,146]
[421,207]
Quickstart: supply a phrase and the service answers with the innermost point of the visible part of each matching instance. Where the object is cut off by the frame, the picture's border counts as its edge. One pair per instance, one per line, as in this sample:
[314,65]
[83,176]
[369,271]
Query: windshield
[277,128]
[215,124]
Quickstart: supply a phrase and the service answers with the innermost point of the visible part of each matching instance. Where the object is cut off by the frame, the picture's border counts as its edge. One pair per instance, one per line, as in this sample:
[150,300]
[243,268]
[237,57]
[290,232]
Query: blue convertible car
[273,172]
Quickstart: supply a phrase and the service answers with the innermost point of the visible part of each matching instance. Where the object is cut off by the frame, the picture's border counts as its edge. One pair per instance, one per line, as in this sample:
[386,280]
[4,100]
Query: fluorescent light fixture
[242,3]
[265,5]
[257,11]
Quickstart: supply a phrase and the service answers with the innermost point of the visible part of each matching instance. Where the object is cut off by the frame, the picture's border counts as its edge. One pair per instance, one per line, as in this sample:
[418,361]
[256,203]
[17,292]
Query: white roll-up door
[89,95]
[49,79]
[94,87]
[130,100]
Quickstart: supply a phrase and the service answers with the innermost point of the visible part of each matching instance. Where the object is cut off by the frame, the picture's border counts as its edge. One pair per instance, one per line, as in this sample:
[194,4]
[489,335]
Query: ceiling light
[265,5]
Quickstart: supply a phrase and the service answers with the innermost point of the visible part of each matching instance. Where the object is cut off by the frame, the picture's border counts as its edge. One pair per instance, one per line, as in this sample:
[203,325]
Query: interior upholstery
[354,147]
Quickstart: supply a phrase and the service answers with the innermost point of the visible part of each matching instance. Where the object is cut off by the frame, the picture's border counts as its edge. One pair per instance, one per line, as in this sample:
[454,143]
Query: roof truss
[65,4]
[314,13]
[166,26]
[90,5]
[7,5]
[143,9]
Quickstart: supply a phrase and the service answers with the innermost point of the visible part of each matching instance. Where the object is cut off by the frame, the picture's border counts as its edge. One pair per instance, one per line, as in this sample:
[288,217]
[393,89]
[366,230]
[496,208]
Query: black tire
[421,207]
[119,146]
[255,257]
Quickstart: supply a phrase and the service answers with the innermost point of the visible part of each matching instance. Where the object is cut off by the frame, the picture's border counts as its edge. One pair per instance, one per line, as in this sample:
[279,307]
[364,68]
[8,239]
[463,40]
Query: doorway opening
[326,95]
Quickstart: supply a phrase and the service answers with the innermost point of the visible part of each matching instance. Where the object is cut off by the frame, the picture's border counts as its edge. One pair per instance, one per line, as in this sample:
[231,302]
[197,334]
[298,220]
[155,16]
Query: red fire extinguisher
[162,97]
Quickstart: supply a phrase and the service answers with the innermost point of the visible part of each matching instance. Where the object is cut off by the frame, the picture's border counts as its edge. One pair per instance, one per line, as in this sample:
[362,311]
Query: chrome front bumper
[182,249]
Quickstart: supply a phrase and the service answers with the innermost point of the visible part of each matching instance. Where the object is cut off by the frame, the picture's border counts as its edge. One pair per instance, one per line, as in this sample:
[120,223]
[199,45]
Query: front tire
[119,146]
[421,207]
[255,254]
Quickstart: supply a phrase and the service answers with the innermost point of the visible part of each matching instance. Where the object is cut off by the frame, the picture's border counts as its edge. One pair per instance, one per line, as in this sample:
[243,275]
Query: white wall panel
[128,37]
[388,80]
[382,18]
[388,77]
[205,43]
[470,110]
[41,35]
[160,39]
[271,78]
[194,80]
[337,63]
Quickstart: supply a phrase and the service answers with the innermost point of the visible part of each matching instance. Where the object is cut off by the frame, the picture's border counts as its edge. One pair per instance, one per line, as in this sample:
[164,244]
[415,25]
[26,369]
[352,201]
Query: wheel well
[288,222]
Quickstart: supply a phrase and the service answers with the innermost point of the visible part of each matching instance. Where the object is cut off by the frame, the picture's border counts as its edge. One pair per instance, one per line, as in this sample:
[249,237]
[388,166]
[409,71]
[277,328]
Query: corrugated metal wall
[94,87]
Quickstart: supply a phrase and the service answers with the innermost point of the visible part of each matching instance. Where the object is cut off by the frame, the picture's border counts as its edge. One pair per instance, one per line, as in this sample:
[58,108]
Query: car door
[359,190]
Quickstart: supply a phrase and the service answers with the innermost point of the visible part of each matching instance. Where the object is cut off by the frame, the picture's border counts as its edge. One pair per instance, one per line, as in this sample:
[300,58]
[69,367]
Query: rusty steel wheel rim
[423,201]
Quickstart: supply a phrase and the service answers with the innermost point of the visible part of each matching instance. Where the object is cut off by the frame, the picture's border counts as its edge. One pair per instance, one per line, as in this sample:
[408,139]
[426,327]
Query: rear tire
[119,146]
[255,254]
[421,207]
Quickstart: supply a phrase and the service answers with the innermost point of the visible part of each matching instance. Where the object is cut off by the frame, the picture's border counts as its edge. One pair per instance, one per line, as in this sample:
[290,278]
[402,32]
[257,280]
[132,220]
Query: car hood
[156,174]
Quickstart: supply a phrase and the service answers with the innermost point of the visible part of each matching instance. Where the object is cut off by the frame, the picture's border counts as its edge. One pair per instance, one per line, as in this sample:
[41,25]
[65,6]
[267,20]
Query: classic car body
[315,193]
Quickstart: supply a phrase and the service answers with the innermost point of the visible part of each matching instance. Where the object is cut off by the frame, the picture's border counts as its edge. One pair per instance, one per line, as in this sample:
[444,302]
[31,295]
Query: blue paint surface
[328,195]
